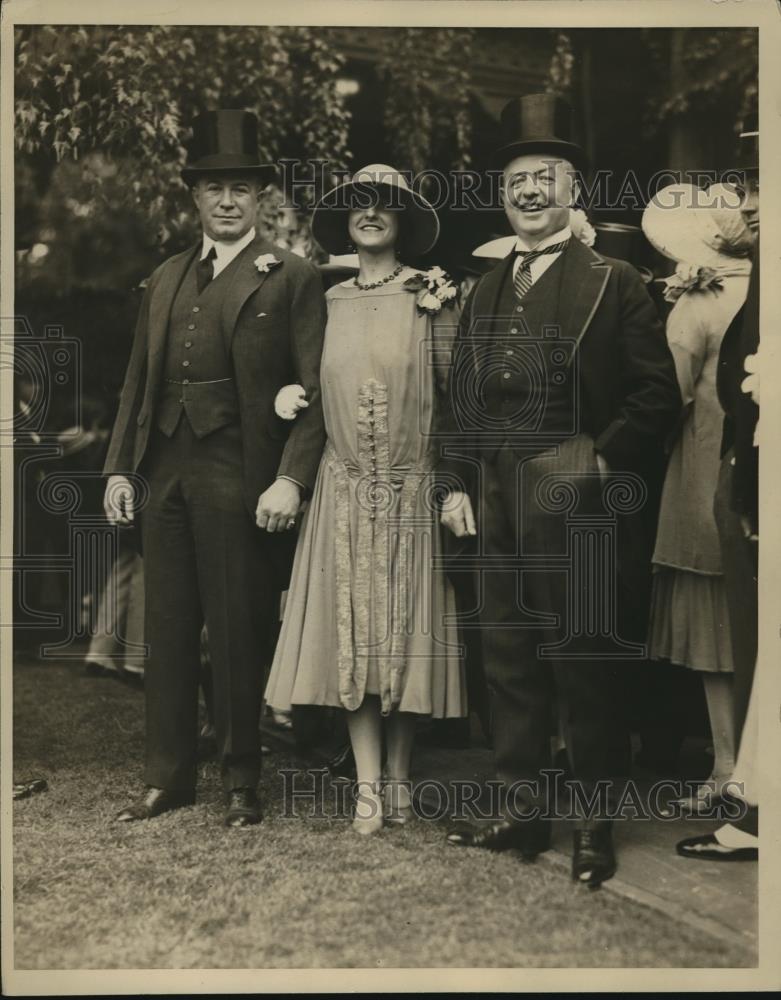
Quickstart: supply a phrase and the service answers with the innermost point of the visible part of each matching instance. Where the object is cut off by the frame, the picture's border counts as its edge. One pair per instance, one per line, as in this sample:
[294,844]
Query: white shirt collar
[549,241]
[226,251]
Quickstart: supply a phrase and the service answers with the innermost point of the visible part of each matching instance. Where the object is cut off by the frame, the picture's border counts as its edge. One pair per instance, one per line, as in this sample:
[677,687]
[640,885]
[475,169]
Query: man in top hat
[562,383]
[223,326]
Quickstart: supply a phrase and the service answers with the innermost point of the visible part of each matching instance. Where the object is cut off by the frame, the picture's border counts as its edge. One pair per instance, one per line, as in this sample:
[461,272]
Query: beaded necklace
[383,281]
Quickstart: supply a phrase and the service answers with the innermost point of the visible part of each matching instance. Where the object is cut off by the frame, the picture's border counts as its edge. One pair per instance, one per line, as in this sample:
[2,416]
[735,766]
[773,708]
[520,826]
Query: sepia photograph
[384,600]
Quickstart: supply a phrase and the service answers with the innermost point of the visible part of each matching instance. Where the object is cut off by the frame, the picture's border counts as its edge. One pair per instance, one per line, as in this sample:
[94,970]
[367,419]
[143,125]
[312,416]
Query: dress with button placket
[366,612]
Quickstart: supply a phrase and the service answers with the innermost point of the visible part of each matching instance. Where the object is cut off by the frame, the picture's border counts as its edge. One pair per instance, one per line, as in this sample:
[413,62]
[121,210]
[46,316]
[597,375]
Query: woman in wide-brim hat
[364,626]
[704,232]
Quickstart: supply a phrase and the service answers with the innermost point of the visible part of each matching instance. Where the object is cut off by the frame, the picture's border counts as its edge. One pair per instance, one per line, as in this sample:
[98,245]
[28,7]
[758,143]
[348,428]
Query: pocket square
[261,315]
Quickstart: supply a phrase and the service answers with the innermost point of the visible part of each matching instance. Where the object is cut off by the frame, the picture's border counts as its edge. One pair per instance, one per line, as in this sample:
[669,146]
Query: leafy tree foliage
[102,113]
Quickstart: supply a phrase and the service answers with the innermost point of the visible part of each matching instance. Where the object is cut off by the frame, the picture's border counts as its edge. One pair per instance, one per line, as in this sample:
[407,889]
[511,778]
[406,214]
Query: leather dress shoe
[153,802]
[593,857]
[530,838]
[243,808]
[708,848]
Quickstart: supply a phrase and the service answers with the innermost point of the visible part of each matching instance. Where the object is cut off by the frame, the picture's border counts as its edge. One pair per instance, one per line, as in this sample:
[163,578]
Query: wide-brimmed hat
[538,123]
[225,142]
[381,186]
[695,226]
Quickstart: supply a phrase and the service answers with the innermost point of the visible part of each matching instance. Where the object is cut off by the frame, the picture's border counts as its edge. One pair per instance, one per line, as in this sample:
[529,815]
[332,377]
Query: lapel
[245,281]
[583,282]
[487,300]
[160,307]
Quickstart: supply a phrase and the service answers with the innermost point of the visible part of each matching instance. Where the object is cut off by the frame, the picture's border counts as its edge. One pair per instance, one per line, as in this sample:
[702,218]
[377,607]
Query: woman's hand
[457,514]
[289,400]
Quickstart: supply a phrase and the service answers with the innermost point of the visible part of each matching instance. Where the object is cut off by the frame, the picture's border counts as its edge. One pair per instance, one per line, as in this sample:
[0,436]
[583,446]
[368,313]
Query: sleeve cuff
[291,480]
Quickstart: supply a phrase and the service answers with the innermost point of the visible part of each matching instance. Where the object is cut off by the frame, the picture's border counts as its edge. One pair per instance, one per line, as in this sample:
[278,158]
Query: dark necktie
[523,277]
[205,269]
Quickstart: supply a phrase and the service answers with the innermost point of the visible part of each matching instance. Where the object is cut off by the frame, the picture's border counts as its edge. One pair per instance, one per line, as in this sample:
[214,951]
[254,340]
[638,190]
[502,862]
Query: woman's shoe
[282,720]
[397,797]
[368,816]
[704,799]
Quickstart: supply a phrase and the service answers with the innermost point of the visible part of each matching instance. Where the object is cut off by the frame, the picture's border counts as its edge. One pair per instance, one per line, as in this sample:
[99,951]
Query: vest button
[188,343]
[191,326]
[506,375]
[510,353]
[196,309]
[518,309]
[514,329]
[185,381]
[185,364]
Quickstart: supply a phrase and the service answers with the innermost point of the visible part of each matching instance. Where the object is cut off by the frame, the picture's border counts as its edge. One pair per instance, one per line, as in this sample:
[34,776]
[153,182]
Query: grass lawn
[184,892]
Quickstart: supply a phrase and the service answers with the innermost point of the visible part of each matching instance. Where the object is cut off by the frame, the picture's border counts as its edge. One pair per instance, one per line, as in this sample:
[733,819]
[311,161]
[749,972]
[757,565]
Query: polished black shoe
[707,848]
[341,763]
[593,857]
[153,802]
[243,808]
[530,838]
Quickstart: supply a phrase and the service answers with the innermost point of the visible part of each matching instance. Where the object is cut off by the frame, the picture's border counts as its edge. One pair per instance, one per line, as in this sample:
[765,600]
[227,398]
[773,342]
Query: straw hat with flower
[703,231]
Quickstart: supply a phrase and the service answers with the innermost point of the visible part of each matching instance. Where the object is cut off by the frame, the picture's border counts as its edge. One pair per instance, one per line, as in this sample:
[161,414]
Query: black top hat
[748,151]
[539,123]
[225,142]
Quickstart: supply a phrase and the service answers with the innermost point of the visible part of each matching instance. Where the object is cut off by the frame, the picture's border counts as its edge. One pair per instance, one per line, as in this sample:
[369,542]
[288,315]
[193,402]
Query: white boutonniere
[265,262]
[581,228]
[435,288]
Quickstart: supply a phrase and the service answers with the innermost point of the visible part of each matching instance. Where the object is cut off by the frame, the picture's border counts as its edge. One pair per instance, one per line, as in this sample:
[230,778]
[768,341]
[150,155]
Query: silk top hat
[378,186]
[539,123]
[703,228]
[224,142]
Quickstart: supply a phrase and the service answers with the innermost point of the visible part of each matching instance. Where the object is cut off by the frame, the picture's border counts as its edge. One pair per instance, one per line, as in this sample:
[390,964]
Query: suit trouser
[738,559]
[526,686]
[204,561]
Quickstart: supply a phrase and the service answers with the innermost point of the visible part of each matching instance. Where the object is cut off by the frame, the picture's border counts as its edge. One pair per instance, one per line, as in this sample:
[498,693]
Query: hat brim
[558,148]
[330,215]
[673,230]
[265,172]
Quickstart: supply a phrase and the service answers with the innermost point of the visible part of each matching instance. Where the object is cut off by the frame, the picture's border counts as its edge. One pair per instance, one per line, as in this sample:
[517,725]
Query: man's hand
[604,468]
[278,506]
[457,514]
[118,500]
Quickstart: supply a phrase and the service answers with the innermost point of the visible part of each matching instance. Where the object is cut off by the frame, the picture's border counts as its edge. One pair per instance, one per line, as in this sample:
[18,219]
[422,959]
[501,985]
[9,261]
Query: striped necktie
[523,277]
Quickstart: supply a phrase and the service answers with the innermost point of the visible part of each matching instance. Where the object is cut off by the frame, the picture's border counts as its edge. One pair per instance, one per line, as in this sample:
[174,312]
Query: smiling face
[537,193]
[227,205]
[375,229]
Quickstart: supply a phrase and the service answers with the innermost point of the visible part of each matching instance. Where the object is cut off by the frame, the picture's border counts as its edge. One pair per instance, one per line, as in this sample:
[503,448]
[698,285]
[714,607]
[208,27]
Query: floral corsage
[690,278]
[434,288]
[265,262]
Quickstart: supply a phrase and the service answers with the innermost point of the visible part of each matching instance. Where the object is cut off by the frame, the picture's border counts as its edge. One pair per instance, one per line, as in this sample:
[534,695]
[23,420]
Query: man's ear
[576,190]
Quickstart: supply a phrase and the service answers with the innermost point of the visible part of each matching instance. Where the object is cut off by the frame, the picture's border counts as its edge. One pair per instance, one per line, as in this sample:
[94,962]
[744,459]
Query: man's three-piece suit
[197,422]
[541,382]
